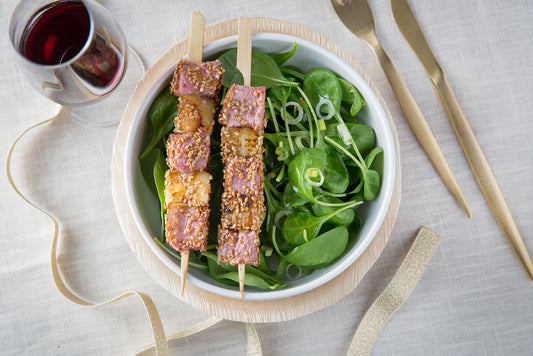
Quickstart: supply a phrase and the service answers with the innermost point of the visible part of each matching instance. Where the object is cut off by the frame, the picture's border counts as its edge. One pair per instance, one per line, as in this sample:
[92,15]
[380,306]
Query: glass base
[108,111]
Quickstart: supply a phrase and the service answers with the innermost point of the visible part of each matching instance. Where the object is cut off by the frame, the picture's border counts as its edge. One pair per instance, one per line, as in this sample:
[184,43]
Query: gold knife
[409,27]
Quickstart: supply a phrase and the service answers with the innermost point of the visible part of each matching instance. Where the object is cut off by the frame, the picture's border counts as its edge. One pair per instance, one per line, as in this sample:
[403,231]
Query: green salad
[320,166]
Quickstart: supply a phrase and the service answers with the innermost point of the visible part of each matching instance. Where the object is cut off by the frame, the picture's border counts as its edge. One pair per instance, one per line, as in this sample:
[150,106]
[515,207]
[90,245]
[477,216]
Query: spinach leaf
[232,75]
[371,157]
[229,274]
[301,164]
[293,72]
[351,97]
[322,83]
[371,178]
[355,226]
[363,135]
[276,140]
[265,71]
[160,167]
[280,94]
[343,218]
[281,58]
[161,114]
[302,227]
[321,251]
[290,198]
[146,165]
[336,178]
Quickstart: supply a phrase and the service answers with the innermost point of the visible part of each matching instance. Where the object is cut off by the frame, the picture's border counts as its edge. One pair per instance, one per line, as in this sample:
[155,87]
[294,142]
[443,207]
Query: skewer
[244,64]
[195,52]
[184,268]
[242,274]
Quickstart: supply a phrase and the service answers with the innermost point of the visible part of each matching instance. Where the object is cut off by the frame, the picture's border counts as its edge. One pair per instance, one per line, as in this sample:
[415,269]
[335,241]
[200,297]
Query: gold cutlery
[357,16]
[408,25]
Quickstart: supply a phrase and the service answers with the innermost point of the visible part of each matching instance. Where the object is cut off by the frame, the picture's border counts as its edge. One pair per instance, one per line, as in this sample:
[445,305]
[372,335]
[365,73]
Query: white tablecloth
[474,298]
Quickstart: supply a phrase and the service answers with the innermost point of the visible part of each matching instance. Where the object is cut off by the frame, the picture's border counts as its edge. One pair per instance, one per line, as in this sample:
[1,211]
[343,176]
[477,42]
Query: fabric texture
[474,297]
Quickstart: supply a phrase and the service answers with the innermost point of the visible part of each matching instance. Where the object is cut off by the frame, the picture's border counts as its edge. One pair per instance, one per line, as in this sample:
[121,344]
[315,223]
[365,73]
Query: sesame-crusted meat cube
[189,151]
[244,175]
[190,189]
[242,212]
[195,112]
[202,79]
[244,106]
[186,228]
[238,247]
[241,142]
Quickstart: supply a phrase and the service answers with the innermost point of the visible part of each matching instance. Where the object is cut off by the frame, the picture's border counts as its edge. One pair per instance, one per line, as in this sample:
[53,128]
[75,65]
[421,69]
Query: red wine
[56,33]
[59,31]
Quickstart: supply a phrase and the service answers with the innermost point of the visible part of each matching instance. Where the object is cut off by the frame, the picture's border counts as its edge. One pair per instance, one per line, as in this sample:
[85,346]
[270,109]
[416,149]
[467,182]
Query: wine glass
[74,53]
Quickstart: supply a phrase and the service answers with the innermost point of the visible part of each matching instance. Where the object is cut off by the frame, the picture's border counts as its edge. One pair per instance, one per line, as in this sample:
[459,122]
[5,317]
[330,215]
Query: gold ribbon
[395,293]
[160,344]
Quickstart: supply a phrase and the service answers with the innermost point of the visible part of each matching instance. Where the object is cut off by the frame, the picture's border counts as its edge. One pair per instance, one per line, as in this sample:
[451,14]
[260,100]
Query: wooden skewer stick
[184,268]
[244,49]
[242,274]
[195,49]
[244,64]
[196,37]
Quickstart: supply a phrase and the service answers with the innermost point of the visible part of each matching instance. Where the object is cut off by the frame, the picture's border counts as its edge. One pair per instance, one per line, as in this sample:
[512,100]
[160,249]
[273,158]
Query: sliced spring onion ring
[289,119]
[282,152]
[293,277]
[267,250]
[314,177]
[299,140]
[331,109]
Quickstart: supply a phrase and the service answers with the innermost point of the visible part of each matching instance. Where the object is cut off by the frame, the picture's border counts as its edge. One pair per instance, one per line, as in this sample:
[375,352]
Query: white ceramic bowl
[144,204]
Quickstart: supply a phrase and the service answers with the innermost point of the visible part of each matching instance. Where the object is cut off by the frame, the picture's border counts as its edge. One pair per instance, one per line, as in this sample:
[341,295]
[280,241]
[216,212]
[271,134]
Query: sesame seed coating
[241,142]
[189,151]
[193,113]
[243,202]
[202,79]
[244,175]
[186,228]
[238,246]
[191,189]
[244,107]
[241,211]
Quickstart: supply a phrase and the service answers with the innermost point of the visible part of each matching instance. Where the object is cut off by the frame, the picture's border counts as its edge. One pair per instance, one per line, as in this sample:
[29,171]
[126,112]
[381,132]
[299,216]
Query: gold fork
[357,16]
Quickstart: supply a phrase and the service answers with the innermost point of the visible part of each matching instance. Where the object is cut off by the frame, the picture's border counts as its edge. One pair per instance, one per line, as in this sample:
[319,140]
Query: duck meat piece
[244,106]
[189,151]
[191,189]
[244,175]
[238,247]
[186,228]
[202,79]
[241,142]
[194,112]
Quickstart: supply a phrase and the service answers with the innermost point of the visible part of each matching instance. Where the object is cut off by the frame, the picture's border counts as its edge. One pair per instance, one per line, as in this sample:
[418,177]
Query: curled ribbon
[160,345]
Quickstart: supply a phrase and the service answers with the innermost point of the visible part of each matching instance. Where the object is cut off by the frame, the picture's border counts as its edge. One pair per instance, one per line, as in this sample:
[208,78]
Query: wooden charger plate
[225,307]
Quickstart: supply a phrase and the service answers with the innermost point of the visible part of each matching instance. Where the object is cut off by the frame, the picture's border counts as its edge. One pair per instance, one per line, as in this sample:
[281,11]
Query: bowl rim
[349,257]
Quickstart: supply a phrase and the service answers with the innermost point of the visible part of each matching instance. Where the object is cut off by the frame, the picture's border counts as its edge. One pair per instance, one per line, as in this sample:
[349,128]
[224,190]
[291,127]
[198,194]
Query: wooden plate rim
[224,307]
